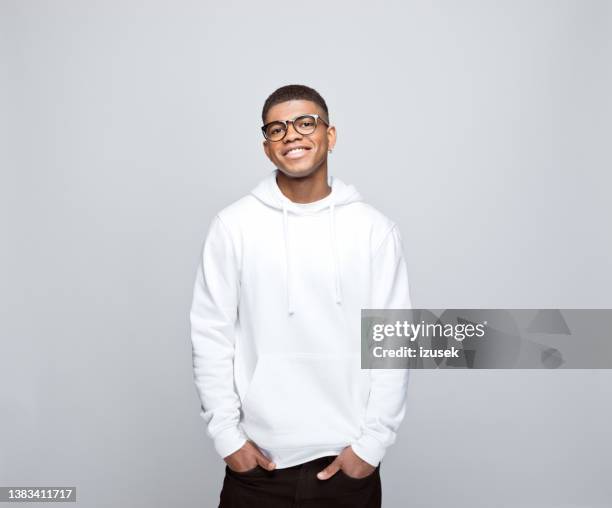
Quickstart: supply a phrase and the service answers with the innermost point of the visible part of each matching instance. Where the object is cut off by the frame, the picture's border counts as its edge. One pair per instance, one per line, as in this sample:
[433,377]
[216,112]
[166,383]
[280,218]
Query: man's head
[288,103]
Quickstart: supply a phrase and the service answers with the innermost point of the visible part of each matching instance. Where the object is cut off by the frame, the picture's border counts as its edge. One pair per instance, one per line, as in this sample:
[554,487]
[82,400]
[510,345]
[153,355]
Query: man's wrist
[229,441]
[369,449]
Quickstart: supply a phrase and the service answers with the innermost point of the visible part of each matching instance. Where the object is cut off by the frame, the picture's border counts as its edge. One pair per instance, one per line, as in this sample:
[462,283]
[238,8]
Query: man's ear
[266,148]
[331,137]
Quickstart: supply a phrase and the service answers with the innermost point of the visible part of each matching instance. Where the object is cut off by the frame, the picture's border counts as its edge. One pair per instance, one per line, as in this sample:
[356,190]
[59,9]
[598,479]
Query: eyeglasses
[304,124]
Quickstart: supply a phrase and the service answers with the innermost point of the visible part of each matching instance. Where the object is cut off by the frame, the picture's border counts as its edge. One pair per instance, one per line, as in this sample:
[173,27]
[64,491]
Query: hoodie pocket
[300,400]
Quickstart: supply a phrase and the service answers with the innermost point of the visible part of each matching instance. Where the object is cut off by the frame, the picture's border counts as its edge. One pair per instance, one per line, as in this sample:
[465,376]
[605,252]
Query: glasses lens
[275,131]
[305,124]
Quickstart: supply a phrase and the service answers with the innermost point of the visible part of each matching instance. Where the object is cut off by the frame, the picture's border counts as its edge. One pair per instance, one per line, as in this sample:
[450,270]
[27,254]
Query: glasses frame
[286,123]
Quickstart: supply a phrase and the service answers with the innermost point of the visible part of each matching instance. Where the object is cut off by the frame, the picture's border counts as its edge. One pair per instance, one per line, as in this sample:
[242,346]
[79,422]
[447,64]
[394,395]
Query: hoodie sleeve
[387,402]
[213,316]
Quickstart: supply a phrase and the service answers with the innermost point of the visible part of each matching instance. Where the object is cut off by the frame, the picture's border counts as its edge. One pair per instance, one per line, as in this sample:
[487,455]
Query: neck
[305,189]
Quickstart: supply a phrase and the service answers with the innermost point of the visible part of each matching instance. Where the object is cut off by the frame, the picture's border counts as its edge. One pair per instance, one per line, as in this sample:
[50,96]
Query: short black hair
[294,93]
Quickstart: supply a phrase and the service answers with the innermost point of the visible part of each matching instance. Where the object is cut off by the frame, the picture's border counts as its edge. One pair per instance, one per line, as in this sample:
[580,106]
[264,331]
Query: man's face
[304,162]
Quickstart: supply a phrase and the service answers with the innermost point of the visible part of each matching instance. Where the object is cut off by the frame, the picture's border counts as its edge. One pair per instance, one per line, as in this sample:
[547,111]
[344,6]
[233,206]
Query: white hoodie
[276,325]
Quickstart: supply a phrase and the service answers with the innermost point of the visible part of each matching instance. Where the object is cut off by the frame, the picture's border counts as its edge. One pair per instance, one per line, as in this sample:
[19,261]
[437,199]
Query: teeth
[296,150]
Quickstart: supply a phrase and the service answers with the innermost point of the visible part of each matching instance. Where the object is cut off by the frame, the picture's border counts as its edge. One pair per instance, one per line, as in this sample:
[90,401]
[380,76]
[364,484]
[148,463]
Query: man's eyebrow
[296,116]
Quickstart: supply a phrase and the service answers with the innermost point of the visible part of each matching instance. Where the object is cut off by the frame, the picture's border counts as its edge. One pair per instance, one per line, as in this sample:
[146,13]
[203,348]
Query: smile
[296,153]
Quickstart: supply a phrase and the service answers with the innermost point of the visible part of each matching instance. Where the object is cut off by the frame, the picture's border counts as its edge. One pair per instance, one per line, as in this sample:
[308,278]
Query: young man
[275,326]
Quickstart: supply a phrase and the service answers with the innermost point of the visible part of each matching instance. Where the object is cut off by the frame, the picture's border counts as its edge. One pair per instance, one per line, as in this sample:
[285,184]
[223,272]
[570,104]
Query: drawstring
[286,228]
[332,226]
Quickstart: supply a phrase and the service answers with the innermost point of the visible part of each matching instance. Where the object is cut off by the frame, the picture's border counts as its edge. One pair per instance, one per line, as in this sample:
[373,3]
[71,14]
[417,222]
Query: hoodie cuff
[229,440]
[369,449]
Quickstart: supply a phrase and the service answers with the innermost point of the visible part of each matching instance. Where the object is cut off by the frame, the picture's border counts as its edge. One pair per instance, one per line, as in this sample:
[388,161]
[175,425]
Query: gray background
[482,128]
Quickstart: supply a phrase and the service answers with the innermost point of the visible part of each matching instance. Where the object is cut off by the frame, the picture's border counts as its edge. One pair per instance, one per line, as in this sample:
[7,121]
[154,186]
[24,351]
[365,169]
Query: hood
[268,192]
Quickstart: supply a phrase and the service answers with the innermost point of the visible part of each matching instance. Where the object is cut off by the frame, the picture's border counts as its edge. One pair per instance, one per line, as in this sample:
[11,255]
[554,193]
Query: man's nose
[291,133]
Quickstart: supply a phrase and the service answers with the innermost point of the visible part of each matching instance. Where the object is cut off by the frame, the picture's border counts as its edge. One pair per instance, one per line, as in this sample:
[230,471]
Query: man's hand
[352,465]
[248,457]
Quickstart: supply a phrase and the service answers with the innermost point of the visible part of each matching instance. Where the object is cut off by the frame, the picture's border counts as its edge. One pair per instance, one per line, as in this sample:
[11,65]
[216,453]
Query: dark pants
[299,487]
